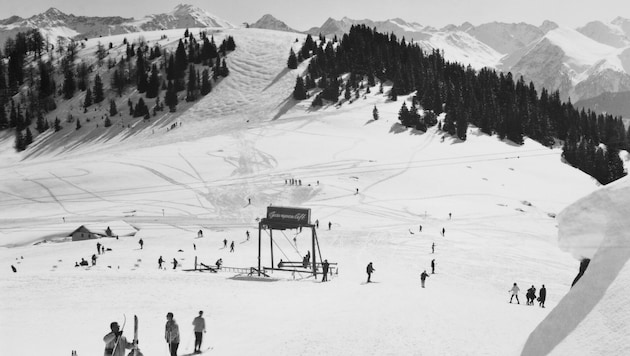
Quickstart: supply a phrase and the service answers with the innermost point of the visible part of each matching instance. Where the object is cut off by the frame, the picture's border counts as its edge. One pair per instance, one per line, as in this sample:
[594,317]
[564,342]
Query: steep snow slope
[592,318]
[243,141]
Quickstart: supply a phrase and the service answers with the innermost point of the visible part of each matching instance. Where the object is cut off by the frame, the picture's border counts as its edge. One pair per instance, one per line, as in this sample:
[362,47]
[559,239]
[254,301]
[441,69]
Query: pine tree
[68,84]
[28,137]
[292,62]
[78,124]
[40,125]
[57,124]
[98,89]
[299,92]
[113,110]
[19,141]
[88,98]
[206,85]
[191,92]
[108,122]
[170,99]
[153,89]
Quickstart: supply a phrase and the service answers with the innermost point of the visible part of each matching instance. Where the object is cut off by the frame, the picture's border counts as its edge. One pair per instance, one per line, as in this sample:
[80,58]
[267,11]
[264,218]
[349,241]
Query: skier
[232,247]
[13,269]
[531,295]
[515,289]
[98,248]
[199,328]
[420,228]
[219,263]
[369,269]
[141,243]
[329,225]
[160,261]
[224,243]
[433,266]
[317,224]
[199,233]
[423,277]
[542,295]
[115,343]
[247,234]
[433,248]
[172,334]
[443,231]
[174,263]
[93,260]
[325,271]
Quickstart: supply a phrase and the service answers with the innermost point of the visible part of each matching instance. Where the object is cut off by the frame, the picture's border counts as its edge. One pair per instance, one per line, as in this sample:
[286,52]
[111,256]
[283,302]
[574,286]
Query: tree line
[150,70]
[494,101]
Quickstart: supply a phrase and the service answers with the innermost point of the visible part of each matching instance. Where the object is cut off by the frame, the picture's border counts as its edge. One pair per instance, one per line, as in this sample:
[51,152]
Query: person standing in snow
[433,266]
[174,263]
[199,324]
[172,334]
[98,248]
[329,225]
[93,260]
[423,277]
[247,234]
[433,248]
[115,342]
[531,295]
[515,289]
[325,271]
[369,269]
[232,247]
[160,261]
[542,295]
[224,243]
[141,243]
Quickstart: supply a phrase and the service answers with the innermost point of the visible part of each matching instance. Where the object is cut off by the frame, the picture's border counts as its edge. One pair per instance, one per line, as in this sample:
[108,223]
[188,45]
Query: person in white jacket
[515,289]
[199,324]
[172,334]
[115,342]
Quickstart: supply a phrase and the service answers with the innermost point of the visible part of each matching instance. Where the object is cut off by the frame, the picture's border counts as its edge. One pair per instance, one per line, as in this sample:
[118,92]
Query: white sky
[303,15]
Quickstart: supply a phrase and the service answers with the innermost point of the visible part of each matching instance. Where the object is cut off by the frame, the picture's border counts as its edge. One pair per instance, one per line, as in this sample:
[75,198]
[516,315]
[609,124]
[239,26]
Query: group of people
[531,295]
[116,343]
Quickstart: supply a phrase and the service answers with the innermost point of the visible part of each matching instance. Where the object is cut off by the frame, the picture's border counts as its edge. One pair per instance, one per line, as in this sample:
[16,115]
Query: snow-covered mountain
[271,23]
[225,163]
[53,23]
[581,64]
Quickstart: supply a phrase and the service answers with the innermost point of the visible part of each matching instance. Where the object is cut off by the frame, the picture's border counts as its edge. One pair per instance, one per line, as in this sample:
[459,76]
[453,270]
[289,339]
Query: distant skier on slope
[515,289]
[369,269]
[141,242]
[232,247]
[115,342]
[160,261]
[174,263]
[433,266]
[325,271]
[542,295]
[423,277]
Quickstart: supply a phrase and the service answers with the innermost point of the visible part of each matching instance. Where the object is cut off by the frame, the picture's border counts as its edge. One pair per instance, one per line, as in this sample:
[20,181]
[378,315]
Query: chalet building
[105,229]
[84,233]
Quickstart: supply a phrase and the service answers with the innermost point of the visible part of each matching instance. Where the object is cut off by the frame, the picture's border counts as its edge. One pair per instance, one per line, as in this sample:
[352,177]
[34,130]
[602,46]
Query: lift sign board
[285,215]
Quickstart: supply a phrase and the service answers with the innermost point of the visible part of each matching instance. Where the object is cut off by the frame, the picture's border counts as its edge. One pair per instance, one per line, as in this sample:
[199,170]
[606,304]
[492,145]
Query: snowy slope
[243,141]
[592,315]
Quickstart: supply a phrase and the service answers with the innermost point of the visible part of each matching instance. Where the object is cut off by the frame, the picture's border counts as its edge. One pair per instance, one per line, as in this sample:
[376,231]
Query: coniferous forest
[36,75]
[495,102]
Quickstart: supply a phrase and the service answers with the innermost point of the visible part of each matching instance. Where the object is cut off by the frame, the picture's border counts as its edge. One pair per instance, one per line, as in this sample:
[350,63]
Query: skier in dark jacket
[433,266]
[325,271]
[531,295]
[160,261]
[369,269]
[542,296]
[423,277]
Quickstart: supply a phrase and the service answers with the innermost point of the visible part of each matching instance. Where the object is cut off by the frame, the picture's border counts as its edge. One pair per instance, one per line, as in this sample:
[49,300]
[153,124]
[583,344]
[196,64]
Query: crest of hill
[271,23]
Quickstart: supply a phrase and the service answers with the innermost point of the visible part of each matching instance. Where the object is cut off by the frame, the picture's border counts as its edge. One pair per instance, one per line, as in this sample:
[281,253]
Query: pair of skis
[135,351]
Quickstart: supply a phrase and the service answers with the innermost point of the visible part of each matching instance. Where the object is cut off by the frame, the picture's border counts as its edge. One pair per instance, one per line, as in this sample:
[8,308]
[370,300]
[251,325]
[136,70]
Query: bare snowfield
[243,141]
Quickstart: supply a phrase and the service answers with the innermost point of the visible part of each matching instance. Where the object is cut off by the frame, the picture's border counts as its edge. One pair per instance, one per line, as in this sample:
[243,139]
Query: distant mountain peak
[548,26]
[269,22]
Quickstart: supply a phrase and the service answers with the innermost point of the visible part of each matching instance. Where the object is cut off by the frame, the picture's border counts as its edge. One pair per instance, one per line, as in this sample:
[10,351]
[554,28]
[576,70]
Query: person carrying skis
[423,277]
[515,289]
[171,334]
[369,269]
[542,295]
[199,324]
[115,342]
